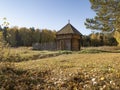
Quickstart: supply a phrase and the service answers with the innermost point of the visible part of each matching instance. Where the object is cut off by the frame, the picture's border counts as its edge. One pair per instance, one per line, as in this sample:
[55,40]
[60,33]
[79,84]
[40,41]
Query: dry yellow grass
[95,71]
[89,69]
[74,61]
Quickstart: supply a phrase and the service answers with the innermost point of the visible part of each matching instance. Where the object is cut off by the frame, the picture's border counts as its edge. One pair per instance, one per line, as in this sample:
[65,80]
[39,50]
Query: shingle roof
[68,29]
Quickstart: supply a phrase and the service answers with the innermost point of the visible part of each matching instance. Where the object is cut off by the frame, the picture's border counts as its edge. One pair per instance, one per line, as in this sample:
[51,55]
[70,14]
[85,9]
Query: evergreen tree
[107,15]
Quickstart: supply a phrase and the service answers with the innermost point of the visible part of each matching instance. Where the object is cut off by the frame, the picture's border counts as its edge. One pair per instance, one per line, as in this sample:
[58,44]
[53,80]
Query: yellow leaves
[102,78]
[93,36]
[93,79]
[5,22]
[117,37]
[75,88]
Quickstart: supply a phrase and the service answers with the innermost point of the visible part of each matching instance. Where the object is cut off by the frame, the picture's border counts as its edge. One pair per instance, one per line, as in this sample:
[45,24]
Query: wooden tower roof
[68,29]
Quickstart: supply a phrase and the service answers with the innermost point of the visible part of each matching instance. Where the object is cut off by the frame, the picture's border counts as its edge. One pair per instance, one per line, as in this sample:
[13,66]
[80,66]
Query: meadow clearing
[88,69]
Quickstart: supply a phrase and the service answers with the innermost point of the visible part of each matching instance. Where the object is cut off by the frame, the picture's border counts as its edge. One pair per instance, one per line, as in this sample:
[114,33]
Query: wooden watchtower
[68,38]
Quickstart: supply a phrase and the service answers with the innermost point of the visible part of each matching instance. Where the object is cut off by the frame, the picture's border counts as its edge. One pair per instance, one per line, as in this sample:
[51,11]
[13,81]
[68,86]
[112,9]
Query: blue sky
[50,14]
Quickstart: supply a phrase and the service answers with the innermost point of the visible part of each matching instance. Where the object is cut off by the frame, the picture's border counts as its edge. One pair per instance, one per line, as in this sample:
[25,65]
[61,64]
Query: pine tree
[107,15]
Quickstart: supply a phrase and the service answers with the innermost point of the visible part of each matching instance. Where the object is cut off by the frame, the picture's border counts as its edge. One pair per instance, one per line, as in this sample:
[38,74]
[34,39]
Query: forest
[26,36]
[23,36]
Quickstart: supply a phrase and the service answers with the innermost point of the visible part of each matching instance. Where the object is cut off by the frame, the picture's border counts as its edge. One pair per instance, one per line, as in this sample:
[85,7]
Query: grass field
[90,69]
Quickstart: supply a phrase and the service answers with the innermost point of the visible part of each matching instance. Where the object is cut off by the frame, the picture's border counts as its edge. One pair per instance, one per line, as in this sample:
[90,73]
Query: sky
[47,14]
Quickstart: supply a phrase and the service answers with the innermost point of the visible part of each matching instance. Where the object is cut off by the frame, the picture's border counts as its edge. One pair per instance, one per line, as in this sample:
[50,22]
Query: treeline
[99,39]
[27,36]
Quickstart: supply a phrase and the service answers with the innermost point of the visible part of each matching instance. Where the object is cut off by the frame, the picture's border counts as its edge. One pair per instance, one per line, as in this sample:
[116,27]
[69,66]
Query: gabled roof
[68,29]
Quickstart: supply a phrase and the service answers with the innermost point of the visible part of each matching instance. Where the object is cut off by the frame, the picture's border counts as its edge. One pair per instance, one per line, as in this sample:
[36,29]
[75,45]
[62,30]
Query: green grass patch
[91,51]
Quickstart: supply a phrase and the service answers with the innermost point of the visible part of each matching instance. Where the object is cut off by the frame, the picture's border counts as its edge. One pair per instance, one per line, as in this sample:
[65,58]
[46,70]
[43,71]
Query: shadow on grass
[18,79]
